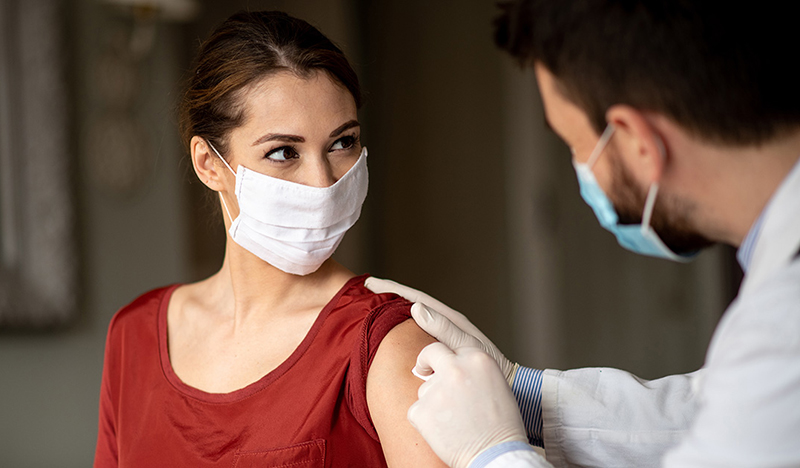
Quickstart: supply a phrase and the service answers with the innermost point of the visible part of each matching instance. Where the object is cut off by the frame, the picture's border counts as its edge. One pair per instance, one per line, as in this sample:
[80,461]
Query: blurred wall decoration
[120,154]
[38,256]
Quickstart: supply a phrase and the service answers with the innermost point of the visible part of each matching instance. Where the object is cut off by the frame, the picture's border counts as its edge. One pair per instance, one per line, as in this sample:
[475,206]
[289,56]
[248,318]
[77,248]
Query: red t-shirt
[311,411]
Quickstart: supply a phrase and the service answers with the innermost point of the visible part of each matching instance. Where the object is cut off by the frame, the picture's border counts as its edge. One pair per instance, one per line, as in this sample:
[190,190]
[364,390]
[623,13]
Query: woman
[282,358]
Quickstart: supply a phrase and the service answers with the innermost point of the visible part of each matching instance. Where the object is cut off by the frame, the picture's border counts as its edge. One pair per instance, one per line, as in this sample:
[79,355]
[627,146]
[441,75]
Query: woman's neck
[247,287]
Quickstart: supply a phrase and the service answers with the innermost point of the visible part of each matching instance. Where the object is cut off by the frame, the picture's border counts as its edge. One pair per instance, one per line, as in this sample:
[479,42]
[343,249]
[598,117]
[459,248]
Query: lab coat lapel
[780,236]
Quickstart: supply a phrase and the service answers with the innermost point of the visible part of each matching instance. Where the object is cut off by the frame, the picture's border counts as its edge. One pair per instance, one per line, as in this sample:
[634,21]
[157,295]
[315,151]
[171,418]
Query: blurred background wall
[471,199]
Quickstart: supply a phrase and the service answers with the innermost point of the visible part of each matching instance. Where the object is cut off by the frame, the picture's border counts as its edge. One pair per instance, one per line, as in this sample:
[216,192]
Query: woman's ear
[206,164]
[639,143]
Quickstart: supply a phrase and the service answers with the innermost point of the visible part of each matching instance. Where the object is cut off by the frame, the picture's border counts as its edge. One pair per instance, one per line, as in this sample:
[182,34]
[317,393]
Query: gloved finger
[420,376]
[441,328]
[423,388]
[413,413]
[419,405]
[431,357]
[381,286]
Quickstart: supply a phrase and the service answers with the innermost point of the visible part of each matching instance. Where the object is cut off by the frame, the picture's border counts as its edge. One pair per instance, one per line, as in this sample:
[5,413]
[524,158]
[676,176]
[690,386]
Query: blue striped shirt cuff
[488,455]
[527,389]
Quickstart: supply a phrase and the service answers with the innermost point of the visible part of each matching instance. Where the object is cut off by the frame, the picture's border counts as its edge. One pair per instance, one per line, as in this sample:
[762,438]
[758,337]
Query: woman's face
[304,130]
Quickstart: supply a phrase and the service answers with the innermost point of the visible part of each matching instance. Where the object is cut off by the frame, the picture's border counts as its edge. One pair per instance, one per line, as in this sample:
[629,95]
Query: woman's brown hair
[244,49]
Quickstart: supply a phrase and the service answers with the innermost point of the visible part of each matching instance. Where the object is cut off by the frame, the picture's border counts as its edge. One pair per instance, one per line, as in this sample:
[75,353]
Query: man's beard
[670,216]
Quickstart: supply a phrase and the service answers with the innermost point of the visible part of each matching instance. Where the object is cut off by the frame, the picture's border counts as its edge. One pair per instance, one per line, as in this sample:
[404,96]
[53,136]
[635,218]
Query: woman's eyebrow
[346,126]
[278,137]
[299,139]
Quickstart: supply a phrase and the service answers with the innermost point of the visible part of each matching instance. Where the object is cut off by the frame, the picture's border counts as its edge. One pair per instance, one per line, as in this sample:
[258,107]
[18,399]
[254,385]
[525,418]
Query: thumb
[431,357]
[441,328]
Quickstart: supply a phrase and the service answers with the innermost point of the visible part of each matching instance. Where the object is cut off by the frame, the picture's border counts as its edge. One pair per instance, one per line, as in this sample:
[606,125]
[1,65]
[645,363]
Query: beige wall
[436,144]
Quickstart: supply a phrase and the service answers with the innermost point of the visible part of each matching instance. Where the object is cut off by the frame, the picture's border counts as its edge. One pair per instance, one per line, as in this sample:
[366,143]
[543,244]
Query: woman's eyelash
[349,140]
[289,153]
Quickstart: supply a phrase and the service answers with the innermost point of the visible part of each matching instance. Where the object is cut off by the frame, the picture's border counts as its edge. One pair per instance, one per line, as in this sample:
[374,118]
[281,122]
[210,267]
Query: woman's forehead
[286,102]
[287,90]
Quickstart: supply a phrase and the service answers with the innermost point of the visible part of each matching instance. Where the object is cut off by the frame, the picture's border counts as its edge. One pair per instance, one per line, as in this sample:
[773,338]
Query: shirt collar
[745,253]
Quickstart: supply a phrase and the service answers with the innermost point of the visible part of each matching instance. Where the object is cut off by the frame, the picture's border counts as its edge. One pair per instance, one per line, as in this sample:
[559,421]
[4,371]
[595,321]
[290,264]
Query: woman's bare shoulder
[392,389]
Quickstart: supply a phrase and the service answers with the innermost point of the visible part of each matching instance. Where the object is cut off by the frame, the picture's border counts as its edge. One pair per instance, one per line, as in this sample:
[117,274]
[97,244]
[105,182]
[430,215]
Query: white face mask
[291,226]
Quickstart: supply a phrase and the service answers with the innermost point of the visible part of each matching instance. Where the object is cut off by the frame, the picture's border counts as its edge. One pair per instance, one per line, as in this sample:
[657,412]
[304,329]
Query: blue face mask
[639,238]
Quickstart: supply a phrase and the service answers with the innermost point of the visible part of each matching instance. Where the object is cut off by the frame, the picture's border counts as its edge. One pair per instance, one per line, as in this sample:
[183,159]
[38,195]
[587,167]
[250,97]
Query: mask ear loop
[601,145]
[650,203]
[230,169]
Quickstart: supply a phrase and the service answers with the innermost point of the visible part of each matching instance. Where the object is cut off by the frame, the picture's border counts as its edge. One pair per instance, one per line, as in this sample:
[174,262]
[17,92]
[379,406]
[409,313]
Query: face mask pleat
[302,234]
[279,202]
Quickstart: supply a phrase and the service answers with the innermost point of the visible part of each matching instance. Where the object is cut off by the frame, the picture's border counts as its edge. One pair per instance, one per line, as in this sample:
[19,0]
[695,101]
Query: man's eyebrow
[342,128]
[279,137]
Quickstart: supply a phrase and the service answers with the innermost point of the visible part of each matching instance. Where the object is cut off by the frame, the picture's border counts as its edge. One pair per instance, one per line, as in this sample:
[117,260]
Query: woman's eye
[283,153]
[344,143]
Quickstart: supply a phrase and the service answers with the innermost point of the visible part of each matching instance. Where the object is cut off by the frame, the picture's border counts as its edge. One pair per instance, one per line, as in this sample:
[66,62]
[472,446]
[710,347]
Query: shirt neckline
[753,246]
[744,254]
[264,381]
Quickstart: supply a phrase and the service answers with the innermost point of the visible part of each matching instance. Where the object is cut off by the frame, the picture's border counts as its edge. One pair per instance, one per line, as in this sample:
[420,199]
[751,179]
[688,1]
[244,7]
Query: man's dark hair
[725,71]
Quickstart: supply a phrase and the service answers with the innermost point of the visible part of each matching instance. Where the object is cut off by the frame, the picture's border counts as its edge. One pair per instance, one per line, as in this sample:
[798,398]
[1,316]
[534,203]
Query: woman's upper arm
[391,390]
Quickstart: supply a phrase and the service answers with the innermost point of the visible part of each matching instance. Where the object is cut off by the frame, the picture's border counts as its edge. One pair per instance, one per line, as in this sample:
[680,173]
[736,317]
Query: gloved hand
[443,323]
[465,407]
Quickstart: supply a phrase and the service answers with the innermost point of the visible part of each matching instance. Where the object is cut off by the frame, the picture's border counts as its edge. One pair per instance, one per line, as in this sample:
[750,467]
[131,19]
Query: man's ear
[206,164]
[639,143]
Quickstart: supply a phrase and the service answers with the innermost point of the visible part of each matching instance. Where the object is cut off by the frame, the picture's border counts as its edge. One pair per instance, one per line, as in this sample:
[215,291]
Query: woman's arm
[391,390]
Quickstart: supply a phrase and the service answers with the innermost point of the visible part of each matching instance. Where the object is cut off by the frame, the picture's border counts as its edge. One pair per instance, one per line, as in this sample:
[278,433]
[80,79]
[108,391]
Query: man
[684,122]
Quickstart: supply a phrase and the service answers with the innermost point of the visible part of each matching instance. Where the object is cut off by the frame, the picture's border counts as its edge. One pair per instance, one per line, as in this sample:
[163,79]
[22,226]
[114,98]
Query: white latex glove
[443,323]
[465,407]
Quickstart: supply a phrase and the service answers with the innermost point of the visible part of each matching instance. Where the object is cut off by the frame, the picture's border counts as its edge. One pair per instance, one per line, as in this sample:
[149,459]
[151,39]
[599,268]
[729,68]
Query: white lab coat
[741,410]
